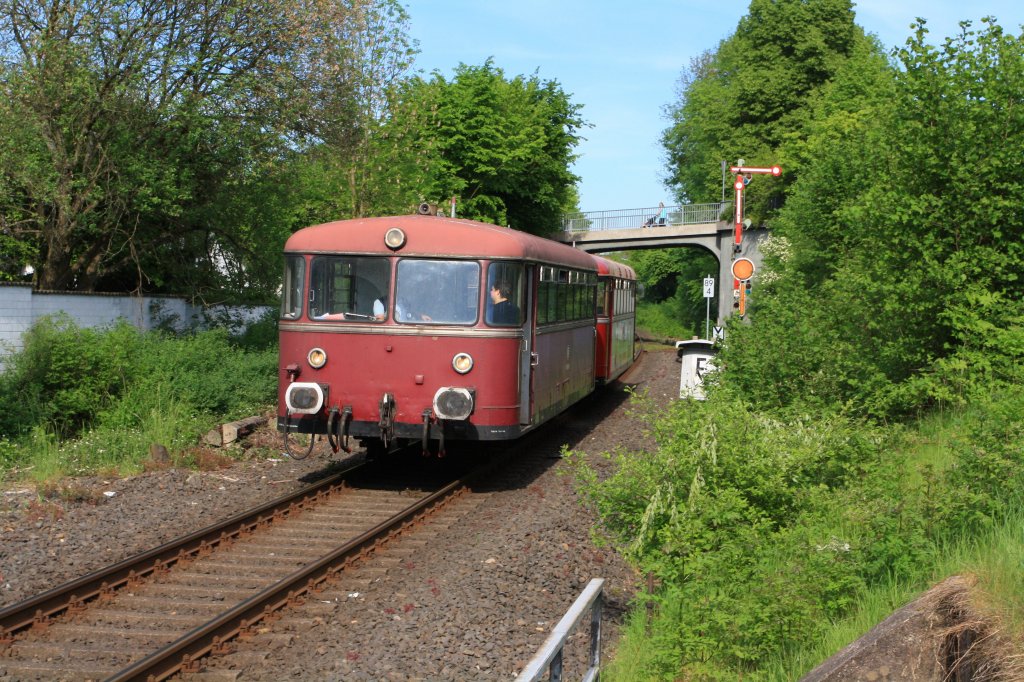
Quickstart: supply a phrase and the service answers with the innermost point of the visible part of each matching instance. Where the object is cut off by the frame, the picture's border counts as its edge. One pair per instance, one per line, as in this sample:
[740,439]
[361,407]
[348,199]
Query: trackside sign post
[709,293]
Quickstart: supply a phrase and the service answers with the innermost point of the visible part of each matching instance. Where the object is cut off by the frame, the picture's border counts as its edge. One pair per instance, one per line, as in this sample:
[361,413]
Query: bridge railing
[629,218]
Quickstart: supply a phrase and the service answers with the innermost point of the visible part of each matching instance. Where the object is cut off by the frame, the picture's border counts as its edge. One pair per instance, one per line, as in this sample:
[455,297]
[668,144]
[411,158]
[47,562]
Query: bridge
[684,225]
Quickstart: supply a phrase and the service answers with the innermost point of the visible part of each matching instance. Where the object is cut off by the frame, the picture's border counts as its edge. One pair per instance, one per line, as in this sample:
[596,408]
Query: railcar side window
[291,290]
[504,294]
[565,295]
[437,292]
[561,313]
[349,288]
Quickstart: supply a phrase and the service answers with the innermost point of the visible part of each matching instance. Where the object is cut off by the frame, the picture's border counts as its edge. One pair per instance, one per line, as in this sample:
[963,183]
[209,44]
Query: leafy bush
[764,530]
[81,400]
[986,481]
[662,321]
[65,375]
[761,528]
[205,372]
[259,335]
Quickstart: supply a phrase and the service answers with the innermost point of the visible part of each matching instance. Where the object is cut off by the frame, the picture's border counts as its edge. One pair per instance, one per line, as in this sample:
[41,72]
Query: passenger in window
[502,311]
[404,316]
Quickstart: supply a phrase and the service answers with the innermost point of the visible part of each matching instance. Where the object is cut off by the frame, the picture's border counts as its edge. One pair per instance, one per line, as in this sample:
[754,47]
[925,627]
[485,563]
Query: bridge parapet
[628,218]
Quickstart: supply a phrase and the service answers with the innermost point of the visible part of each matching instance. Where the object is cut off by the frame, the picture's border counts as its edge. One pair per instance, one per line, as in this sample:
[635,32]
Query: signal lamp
[452,402]
[304,398]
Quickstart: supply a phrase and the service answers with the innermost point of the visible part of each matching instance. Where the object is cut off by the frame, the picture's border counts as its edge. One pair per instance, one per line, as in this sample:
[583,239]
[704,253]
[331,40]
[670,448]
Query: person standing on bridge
[658,219]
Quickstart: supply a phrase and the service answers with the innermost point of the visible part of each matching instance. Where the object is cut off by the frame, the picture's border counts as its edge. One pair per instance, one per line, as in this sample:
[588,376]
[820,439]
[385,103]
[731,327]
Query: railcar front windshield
[437,292]
[349,288]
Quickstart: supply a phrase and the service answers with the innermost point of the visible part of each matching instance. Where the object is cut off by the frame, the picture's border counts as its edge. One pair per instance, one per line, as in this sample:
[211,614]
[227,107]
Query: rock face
[939,637]
[902,647]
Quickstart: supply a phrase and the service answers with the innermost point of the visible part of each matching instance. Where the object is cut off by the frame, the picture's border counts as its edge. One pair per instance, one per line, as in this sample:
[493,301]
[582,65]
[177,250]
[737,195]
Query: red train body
[430,328]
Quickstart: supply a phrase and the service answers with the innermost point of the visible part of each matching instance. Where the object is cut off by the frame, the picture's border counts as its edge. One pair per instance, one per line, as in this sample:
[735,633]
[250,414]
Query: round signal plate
[743,269]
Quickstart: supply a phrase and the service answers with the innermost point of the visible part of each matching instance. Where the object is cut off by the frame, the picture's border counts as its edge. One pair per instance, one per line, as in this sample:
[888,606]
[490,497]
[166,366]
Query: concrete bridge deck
[657,236]
[685,225]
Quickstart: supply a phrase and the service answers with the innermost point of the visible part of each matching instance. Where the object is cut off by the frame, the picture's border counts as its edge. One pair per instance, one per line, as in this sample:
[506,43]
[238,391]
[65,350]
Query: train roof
[435,236]
[613,268]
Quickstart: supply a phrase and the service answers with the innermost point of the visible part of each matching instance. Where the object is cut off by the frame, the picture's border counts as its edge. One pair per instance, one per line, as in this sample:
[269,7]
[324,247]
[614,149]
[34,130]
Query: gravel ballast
[470,599]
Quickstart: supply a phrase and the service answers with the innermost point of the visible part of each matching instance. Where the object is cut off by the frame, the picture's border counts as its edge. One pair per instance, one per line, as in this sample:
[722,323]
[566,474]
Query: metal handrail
[550,655]
[629,218]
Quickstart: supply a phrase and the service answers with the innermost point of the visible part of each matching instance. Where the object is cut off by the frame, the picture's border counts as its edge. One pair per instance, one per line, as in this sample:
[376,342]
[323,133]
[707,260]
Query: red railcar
[429,328]
[616,319]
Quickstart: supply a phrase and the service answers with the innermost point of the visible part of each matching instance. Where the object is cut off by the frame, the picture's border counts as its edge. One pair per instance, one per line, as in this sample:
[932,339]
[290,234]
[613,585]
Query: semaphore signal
[743,174]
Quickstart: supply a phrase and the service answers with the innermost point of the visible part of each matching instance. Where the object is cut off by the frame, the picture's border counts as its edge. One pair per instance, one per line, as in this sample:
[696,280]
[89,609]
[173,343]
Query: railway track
[160,612]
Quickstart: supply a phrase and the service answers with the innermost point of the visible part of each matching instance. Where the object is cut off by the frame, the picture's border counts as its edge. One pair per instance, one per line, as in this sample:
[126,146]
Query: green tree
[502,146]
[673,303]
[901,283]
[138,141]
[750,96]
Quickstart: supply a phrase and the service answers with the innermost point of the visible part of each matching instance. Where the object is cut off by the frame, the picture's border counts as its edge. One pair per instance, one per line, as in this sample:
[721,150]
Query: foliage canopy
[173,149]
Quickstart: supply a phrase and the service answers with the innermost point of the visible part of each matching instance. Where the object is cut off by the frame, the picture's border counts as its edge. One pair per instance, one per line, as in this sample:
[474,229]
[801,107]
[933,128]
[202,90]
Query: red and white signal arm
[763,170]
[743,269]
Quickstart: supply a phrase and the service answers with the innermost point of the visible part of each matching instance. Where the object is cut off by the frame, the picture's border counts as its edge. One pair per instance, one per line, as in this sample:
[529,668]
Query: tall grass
[996,558]
[46,461]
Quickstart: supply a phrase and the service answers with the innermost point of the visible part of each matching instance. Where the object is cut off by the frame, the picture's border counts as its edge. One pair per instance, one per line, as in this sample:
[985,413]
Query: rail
[550,655]
[630,218]
[183,654]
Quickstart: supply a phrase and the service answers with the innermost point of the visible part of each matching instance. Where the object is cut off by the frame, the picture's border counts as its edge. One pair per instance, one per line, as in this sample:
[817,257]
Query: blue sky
[622,60]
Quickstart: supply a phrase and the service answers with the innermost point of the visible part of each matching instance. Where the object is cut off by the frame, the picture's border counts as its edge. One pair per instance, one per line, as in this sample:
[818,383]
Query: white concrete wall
[15,317]
[20,307]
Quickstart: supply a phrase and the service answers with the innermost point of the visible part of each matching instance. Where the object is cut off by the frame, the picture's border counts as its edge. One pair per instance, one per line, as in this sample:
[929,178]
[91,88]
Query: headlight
[304,398]
[394,238]
[462,363]
[317,358]
[453,403]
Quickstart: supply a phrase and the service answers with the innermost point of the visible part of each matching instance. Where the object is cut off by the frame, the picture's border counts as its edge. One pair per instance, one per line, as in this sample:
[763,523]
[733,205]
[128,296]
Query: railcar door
[526,353]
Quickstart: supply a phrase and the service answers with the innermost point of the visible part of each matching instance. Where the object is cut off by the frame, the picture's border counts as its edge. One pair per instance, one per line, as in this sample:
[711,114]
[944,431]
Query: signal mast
[743,268]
